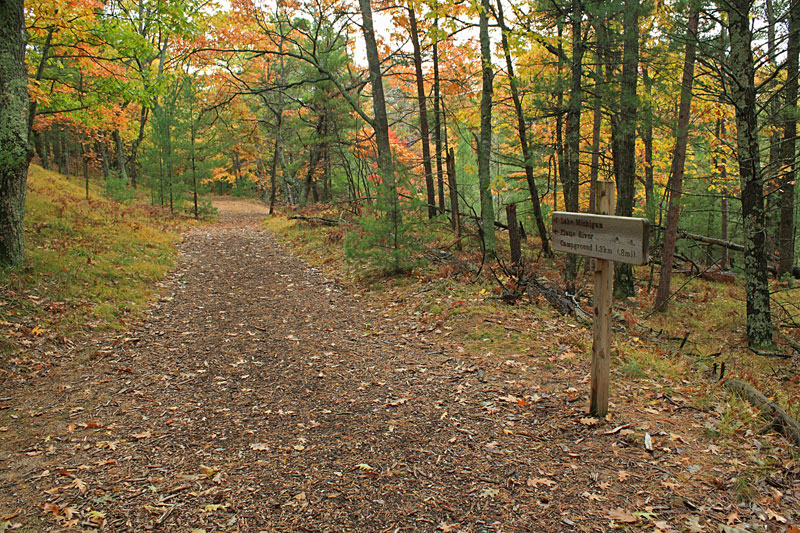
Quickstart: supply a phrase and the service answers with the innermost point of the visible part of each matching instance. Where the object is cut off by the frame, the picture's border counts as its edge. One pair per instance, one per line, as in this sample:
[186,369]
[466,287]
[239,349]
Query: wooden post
[603,293]
[513,234]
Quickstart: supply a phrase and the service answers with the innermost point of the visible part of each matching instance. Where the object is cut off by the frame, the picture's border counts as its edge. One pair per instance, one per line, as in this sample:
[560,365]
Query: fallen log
[319,220]
[731,246]
[710,240]
[778,418]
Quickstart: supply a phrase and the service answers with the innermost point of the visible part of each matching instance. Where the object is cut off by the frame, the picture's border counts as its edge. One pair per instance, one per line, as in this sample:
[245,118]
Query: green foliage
[385,243]
[244,187]
[117,189]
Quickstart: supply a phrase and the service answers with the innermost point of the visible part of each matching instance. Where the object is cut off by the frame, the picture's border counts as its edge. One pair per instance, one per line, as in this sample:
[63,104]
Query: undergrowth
[89,265]
[703,327]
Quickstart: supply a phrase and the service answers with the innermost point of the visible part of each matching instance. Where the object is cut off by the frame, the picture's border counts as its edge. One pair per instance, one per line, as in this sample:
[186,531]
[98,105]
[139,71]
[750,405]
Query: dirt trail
[257,396]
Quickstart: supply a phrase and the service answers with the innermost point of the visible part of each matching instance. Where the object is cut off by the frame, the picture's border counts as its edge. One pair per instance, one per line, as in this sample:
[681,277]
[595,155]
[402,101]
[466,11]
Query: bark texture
[743,98]
[786,195]
[14,149]
[675,184]
[423,115]
[625,153]
[485,141]
[381,122]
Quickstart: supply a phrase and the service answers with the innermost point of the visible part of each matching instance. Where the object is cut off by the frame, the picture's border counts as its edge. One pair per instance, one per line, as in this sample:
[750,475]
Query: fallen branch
[731,246]
[770,354]
[318,220]
[559,299]
[770,411]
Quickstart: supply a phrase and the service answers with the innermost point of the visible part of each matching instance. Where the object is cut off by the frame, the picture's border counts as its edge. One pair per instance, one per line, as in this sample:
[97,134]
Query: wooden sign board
[620,239]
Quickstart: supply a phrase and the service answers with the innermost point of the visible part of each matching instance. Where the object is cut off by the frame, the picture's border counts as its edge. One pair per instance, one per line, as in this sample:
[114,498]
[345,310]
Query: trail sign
[620,239]
[606,238]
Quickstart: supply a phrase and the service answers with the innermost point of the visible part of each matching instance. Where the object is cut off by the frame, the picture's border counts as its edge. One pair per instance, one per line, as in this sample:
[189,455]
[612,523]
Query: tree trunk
[626,130]
[786,194]
[14,128]
[437,119]
[485,142]
[647,139]
[41,149]
[570,181]
[423,115]
[721,165]
[101,150]
[121,167]
[63,163]
[381,121]
[743,97]
[523,136]
[192,140]
[597,124]
[675,184]
[559,112]
[133,161]
[451,179]
[513,234]
[85,160]
[273,172]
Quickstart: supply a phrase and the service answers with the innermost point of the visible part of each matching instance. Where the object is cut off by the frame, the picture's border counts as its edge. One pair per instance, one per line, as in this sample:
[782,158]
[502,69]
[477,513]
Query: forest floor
[257,395]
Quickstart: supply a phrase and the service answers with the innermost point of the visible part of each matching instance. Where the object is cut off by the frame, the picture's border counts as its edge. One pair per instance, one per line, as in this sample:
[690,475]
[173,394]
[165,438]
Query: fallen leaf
[212,507]
[693,523]
[489,492]
[621,515]
[208,471]
[510,399]
[589,421]
[535,482]
[398,401]
[775,516]
[79,484]
[143,435]
[259,446]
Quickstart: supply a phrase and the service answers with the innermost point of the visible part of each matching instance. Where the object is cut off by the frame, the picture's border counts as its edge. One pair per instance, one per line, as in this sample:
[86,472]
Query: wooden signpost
[607,239]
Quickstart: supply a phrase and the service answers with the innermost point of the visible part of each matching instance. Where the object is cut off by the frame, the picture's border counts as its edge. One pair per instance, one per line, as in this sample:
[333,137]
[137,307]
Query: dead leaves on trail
[268,412]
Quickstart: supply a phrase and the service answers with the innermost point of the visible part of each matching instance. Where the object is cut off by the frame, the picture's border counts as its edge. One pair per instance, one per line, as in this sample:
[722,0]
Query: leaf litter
[244,406]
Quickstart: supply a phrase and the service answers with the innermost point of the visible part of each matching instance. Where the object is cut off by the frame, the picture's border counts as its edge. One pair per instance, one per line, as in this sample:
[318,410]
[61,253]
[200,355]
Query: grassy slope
[90,265]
